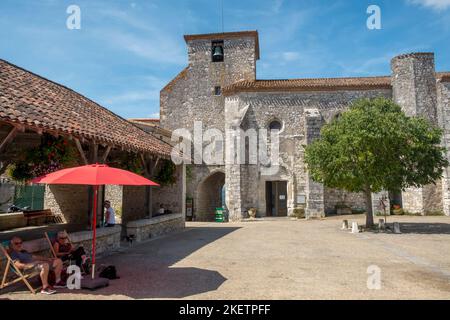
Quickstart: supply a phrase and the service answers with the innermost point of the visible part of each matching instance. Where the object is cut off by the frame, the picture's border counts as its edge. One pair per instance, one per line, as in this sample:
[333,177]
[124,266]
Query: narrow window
[217,51]
[217,91]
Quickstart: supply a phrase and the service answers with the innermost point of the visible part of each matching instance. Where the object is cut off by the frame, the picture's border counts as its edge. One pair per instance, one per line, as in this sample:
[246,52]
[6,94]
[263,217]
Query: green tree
[373,147]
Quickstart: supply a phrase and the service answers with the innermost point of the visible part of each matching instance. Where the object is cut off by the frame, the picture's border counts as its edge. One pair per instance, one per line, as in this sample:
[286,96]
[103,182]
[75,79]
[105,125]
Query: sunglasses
[62,238]
[17,243]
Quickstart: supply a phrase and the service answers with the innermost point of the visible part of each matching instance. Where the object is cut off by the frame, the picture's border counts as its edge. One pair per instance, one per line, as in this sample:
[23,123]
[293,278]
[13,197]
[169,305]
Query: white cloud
[146,39]
[290,56]
[433,4]
[154,115]
[277,5]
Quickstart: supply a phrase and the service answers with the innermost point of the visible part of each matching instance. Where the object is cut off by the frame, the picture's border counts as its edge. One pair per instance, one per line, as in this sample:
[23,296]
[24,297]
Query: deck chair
[11,268]
[51,239]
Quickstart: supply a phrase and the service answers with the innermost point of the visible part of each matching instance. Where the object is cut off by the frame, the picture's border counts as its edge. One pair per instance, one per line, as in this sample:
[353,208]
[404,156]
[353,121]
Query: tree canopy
[374,146]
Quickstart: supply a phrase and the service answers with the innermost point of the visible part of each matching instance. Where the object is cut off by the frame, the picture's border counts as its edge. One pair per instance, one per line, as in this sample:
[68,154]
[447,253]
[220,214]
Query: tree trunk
[369,214]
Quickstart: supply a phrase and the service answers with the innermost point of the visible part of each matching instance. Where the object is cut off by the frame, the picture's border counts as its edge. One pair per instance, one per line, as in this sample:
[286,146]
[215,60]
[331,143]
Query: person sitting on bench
[66,251]
[110,219]
[24,260]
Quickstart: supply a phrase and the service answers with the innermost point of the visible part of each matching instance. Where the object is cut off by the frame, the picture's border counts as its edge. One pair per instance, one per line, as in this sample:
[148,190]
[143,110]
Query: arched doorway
[210,195]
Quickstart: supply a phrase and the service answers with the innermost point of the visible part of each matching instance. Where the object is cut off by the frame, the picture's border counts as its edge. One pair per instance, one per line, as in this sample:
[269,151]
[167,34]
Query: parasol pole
[94,226]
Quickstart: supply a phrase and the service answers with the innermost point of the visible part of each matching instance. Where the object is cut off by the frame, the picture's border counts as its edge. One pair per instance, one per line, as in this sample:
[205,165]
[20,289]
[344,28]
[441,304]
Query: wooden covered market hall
[45,127]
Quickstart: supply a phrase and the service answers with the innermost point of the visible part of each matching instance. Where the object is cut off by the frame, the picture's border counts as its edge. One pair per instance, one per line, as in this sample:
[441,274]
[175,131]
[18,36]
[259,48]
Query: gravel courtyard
[280,259]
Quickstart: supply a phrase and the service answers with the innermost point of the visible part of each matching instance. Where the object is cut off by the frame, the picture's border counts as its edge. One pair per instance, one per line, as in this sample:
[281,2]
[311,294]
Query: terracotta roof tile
[34,101]
[319,84]
[443,76]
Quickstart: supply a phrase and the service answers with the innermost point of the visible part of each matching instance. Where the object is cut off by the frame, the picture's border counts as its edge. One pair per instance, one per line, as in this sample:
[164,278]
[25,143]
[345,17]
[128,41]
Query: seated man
[66,251]
[26,261]
[110,215]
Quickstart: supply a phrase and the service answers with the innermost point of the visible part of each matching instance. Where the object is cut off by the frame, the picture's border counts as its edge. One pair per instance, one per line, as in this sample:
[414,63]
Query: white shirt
[112,216]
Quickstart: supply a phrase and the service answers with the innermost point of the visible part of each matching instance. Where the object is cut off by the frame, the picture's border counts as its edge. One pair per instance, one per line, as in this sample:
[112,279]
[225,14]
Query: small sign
[301,199]
[282,197]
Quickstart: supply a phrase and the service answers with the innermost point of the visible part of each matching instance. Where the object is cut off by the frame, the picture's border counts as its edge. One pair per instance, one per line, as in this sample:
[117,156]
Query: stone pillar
[443,93]
[414,89]
[315,207]
[183,192]
[234,114]
[233,192]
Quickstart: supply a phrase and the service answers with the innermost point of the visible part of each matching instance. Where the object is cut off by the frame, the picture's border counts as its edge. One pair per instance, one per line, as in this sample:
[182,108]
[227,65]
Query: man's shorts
[39,265]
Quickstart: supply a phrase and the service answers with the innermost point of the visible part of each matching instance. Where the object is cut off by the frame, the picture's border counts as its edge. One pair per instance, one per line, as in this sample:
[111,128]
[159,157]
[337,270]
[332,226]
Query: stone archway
[210,196]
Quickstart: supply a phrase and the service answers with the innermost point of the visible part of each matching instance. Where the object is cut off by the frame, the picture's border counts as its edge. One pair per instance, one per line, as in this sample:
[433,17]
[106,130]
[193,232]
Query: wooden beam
[106,154]
[19,127]
[3,166]
[154,166]
[10,137]
[93,150]
[144,164]
[80,150]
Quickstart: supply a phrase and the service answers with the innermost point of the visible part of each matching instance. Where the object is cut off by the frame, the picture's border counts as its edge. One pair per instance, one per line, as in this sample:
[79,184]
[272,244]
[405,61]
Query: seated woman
[66,251]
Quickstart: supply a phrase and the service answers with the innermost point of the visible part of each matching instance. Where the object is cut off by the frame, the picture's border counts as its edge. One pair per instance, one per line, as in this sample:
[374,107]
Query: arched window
[275,125]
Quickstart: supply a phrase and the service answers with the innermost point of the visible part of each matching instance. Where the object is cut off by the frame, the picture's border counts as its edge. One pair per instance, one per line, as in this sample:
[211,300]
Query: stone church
[221,76]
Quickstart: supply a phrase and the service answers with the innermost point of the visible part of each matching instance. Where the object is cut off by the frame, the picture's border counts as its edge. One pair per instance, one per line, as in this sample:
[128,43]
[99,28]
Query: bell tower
[227,57]
[215,61]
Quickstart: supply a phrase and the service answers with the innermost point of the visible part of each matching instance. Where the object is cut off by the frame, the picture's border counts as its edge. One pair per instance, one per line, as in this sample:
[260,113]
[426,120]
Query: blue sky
[126,51]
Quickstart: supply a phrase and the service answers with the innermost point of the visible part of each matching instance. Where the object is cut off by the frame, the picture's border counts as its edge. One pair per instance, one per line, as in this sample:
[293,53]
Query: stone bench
[153,227]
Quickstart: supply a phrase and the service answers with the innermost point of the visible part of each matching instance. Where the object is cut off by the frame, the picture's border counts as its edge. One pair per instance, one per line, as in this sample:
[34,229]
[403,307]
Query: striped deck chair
[17,274]
[51,239]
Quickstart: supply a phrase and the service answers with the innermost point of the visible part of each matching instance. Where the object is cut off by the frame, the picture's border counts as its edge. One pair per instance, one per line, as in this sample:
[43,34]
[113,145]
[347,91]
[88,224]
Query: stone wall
[290,109]
[333,197]
[115,195]
[146,229]
[414,84]
[414,89]
[6,195]
[172,197]
[134,203]
[70,201]
[443,93]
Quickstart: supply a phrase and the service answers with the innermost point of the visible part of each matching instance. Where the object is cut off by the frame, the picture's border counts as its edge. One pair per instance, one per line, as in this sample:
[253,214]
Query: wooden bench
[39,217]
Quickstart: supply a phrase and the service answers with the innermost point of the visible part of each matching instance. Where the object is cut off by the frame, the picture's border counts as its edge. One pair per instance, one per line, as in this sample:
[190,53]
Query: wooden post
[80,150]
[93,152]
[148,189]
[10,137]
[106,154]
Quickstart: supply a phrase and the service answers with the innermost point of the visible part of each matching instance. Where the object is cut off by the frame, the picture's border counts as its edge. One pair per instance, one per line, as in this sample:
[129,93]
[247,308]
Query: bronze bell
[218,53]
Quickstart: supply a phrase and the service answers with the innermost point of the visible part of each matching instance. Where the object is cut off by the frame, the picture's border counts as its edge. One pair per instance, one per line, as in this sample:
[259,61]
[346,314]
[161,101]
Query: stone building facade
[224,94]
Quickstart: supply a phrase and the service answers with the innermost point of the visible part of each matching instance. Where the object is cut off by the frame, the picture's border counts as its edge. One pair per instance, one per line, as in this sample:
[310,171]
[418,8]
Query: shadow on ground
[146,270]
[423,228]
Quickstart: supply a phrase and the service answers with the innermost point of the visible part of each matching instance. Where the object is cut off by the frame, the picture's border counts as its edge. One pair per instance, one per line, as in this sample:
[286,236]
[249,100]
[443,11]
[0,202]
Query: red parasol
[95,175]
